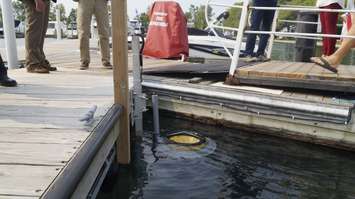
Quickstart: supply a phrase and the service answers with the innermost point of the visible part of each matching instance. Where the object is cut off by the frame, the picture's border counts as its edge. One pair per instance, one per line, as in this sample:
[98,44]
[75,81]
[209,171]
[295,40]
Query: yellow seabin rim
[186,138]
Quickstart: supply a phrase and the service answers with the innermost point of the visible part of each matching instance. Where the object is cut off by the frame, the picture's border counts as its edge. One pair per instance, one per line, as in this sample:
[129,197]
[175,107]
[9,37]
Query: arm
[40,5]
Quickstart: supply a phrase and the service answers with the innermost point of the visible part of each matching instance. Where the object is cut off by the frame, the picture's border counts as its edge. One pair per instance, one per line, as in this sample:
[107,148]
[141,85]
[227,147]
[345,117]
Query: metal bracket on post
[139,98]
[239,39]
[9,34]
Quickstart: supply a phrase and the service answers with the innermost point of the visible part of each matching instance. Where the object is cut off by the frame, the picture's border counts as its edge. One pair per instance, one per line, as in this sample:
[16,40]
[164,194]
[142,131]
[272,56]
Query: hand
[40,5]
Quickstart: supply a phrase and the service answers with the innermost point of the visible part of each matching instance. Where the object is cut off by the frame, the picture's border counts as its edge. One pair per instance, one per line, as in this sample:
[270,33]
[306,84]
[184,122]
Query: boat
[204,43]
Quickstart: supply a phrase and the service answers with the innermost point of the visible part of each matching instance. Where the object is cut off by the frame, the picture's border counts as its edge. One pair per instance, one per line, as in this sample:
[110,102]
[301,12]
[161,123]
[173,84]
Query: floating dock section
[307,117]
[297,75]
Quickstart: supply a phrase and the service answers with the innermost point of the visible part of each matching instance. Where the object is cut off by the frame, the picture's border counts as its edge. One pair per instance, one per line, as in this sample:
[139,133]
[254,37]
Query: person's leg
[329,21]
[4,79]
[324,24]
[85,11]
[32,38]
[268,18]
[345,47]
[256,18]
[102,18]
[45,20]
[335,59]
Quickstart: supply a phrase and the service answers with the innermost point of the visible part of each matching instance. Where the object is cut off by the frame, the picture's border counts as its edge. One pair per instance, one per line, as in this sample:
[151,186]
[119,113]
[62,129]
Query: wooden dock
[43,143]
[298,75]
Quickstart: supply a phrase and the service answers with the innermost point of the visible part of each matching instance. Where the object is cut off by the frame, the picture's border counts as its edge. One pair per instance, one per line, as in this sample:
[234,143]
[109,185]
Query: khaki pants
[36,28]
[86,9]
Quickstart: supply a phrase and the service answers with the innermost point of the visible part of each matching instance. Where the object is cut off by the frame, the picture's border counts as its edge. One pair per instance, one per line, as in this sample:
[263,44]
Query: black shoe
[6,81]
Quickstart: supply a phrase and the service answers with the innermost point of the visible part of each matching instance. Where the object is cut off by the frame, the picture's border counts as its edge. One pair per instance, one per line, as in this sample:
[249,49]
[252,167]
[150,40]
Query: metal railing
[245,8]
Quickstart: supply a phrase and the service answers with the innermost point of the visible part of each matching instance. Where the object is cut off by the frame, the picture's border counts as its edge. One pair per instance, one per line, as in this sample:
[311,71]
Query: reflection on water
[242,165]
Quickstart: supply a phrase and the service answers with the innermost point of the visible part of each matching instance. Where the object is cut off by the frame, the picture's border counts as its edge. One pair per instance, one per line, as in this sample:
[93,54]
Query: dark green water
[237,164]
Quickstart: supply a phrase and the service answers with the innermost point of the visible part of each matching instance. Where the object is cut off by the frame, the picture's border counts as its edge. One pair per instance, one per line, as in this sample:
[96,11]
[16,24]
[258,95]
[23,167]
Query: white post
[9,33]
[58,24]
[239,39]
[93,35]
[272,36]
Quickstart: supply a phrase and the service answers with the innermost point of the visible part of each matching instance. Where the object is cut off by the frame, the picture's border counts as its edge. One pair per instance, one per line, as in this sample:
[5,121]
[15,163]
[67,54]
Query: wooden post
[120,76]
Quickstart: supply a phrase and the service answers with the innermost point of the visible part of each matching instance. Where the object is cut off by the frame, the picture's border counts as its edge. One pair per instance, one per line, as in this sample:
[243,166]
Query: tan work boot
[107,65]
[48,65]
[84,66]
[37,69]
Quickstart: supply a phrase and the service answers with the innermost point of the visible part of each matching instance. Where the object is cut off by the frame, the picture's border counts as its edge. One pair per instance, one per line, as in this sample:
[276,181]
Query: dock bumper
[260,104]
[66,183]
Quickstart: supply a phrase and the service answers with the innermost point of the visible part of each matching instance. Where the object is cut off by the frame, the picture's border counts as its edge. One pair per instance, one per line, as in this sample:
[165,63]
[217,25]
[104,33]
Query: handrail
[284,8]
[239,39]
[210,24]
[242,23]
[302,22]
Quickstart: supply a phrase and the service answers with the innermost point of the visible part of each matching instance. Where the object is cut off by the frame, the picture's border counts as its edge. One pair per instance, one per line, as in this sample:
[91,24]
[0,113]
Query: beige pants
[36,28]
[86,9]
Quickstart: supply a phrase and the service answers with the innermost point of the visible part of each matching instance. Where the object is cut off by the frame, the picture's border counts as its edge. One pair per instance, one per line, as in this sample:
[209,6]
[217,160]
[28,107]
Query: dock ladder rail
[245,7]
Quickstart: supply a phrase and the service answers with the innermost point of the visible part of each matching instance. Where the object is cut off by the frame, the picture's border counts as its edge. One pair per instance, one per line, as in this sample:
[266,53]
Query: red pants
[329,26]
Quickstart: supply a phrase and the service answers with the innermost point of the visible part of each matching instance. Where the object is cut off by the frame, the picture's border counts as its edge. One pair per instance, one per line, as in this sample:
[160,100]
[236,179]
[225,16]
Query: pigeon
[89,116]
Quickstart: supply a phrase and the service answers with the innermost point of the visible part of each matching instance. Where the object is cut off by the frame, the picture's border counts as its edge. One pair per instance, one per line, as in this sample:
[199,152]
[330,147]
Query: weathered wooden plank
[314,71]
[291,71]
[269,69]
[39,111]
[17,197]
[37,154]
[42,136]
[346,73]
[23,181]
[40,122]
[305,69]
[75,103]
[278,66]
[54,122]
[33,90]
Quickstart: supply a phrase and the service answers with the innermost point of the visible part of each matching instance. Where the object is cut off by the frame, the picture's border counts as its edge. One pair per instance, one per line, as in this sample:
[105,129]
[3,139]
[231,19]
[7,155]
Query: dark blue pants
[260,20]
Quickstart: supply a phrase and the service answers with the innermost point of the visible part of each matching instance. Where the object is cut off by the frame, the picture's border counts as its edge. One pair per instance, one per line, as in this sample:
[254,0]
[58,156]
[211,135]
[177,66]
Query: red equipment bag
[167,32]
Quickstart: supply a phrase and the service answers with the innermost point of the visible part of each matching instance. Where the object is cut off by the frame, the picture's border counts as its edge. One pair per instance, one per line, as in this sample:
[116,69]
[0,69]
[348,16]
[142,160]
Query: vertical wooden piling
[120,76]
